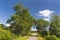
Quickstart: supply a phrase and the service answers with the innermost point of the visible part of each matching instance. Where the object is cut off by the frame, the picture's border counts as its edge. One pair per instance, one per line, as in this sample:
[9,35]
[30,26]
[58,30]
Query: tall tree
[55,25]
[41,25]
[21,21]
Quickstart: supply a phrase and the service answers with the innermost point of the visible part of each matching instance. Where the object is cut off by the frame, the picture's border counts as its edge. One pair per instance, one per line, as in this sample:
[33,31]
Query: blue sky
[34,6]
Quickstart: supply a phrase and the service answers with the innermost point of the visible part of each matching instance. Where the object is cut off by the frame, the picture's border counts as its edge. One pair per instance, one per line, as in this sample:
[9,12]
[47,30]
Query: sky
[37,8]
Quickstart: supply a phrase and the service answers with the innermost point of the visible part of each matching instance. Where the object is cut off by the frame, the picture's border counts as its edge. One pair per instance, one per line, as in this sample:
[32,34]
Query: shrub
[52,37]
[6,35]
[44,33]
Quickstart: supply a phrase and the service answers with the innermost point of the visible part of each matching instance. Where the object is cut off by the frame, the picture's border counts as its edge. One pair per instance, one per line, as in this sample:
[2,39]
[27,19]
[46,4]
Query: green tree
[41,25]
[21,21]
[55,25]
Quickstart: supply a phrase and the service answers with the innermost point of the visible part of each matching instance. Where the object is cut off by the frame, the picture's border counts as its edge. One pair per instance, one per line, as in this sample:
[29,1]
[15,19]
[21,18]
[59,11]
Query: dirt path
[33,37]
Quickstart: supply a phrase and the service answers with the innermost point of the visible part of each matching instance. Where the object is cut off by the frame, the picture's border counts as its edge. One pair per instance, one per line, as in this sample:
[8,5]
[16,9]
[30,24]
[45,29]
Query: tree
[21,21]
[41,25]
[55,25]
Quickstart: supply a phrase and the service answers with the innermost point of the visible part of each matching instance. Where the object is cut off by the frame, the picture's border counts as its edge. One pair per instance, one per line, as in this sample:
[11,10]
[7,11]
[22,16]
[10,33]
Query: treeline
[21,23]
[53,32]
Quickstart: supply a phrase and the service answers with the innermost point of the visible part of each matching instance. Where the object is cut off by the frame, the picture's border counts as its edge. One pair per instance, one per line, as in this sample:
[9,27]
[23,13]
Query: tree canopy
[55,25]
[41,24]
[21,21]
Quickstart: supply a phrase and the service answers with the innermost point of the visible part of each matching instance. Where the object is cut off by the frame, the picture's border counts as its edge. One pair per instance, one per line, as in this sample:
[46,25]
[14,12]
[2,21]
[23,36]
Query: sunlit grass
[22,38]
[58,39]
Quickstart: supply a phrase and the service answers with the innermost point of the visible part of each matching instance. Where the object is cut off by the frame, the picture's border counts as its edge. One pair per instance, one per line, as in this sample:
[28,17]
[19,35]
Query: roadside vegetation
[41,38]
[22,38]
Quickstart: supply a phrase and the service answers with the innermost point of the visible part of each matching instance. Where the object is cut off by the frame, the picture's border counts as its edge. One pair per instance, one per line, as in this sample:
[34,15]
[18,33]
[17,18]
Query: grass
[22,38]
[41,38]
[58,39]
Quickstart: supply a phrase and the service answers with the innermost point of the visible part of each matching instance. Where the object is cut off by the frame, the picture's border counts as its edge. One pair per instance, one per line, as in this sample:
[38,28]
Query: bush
[44,33]
[6,35]
[52,37]
[58,34]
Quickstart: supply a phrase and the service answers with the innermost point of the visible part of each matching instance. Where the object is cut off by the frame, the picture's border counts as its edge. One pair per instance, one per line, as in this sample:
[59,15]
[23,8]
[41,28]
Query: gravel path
[33,37]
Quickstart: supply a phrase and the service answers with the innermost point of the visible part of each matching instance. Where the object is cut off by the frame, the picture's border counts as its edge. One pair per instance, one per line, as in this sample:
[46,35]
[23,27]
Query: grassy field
[22,38]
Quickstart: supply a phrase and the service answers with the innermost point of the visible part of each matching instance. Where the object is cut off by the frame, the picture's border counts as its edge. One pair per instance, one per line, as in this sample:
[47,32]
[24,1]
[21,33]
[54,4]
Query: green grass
[41,38]
[58,39]
[22,38]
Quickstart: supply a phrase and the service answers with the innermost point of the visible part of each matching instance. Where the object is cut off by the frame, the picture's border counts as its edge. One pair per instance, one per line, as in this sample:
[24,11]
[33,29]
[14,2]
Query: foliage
[55,25]
[41,25]
[21,21]
[6,35]
[44,33]
[52,37]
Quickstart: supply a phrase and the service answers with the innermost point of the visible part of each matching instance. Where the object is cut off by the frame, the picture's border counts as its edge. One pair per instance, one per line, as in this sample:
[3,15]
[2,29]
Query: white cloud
[7,25]
[47,19]
[46,14]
